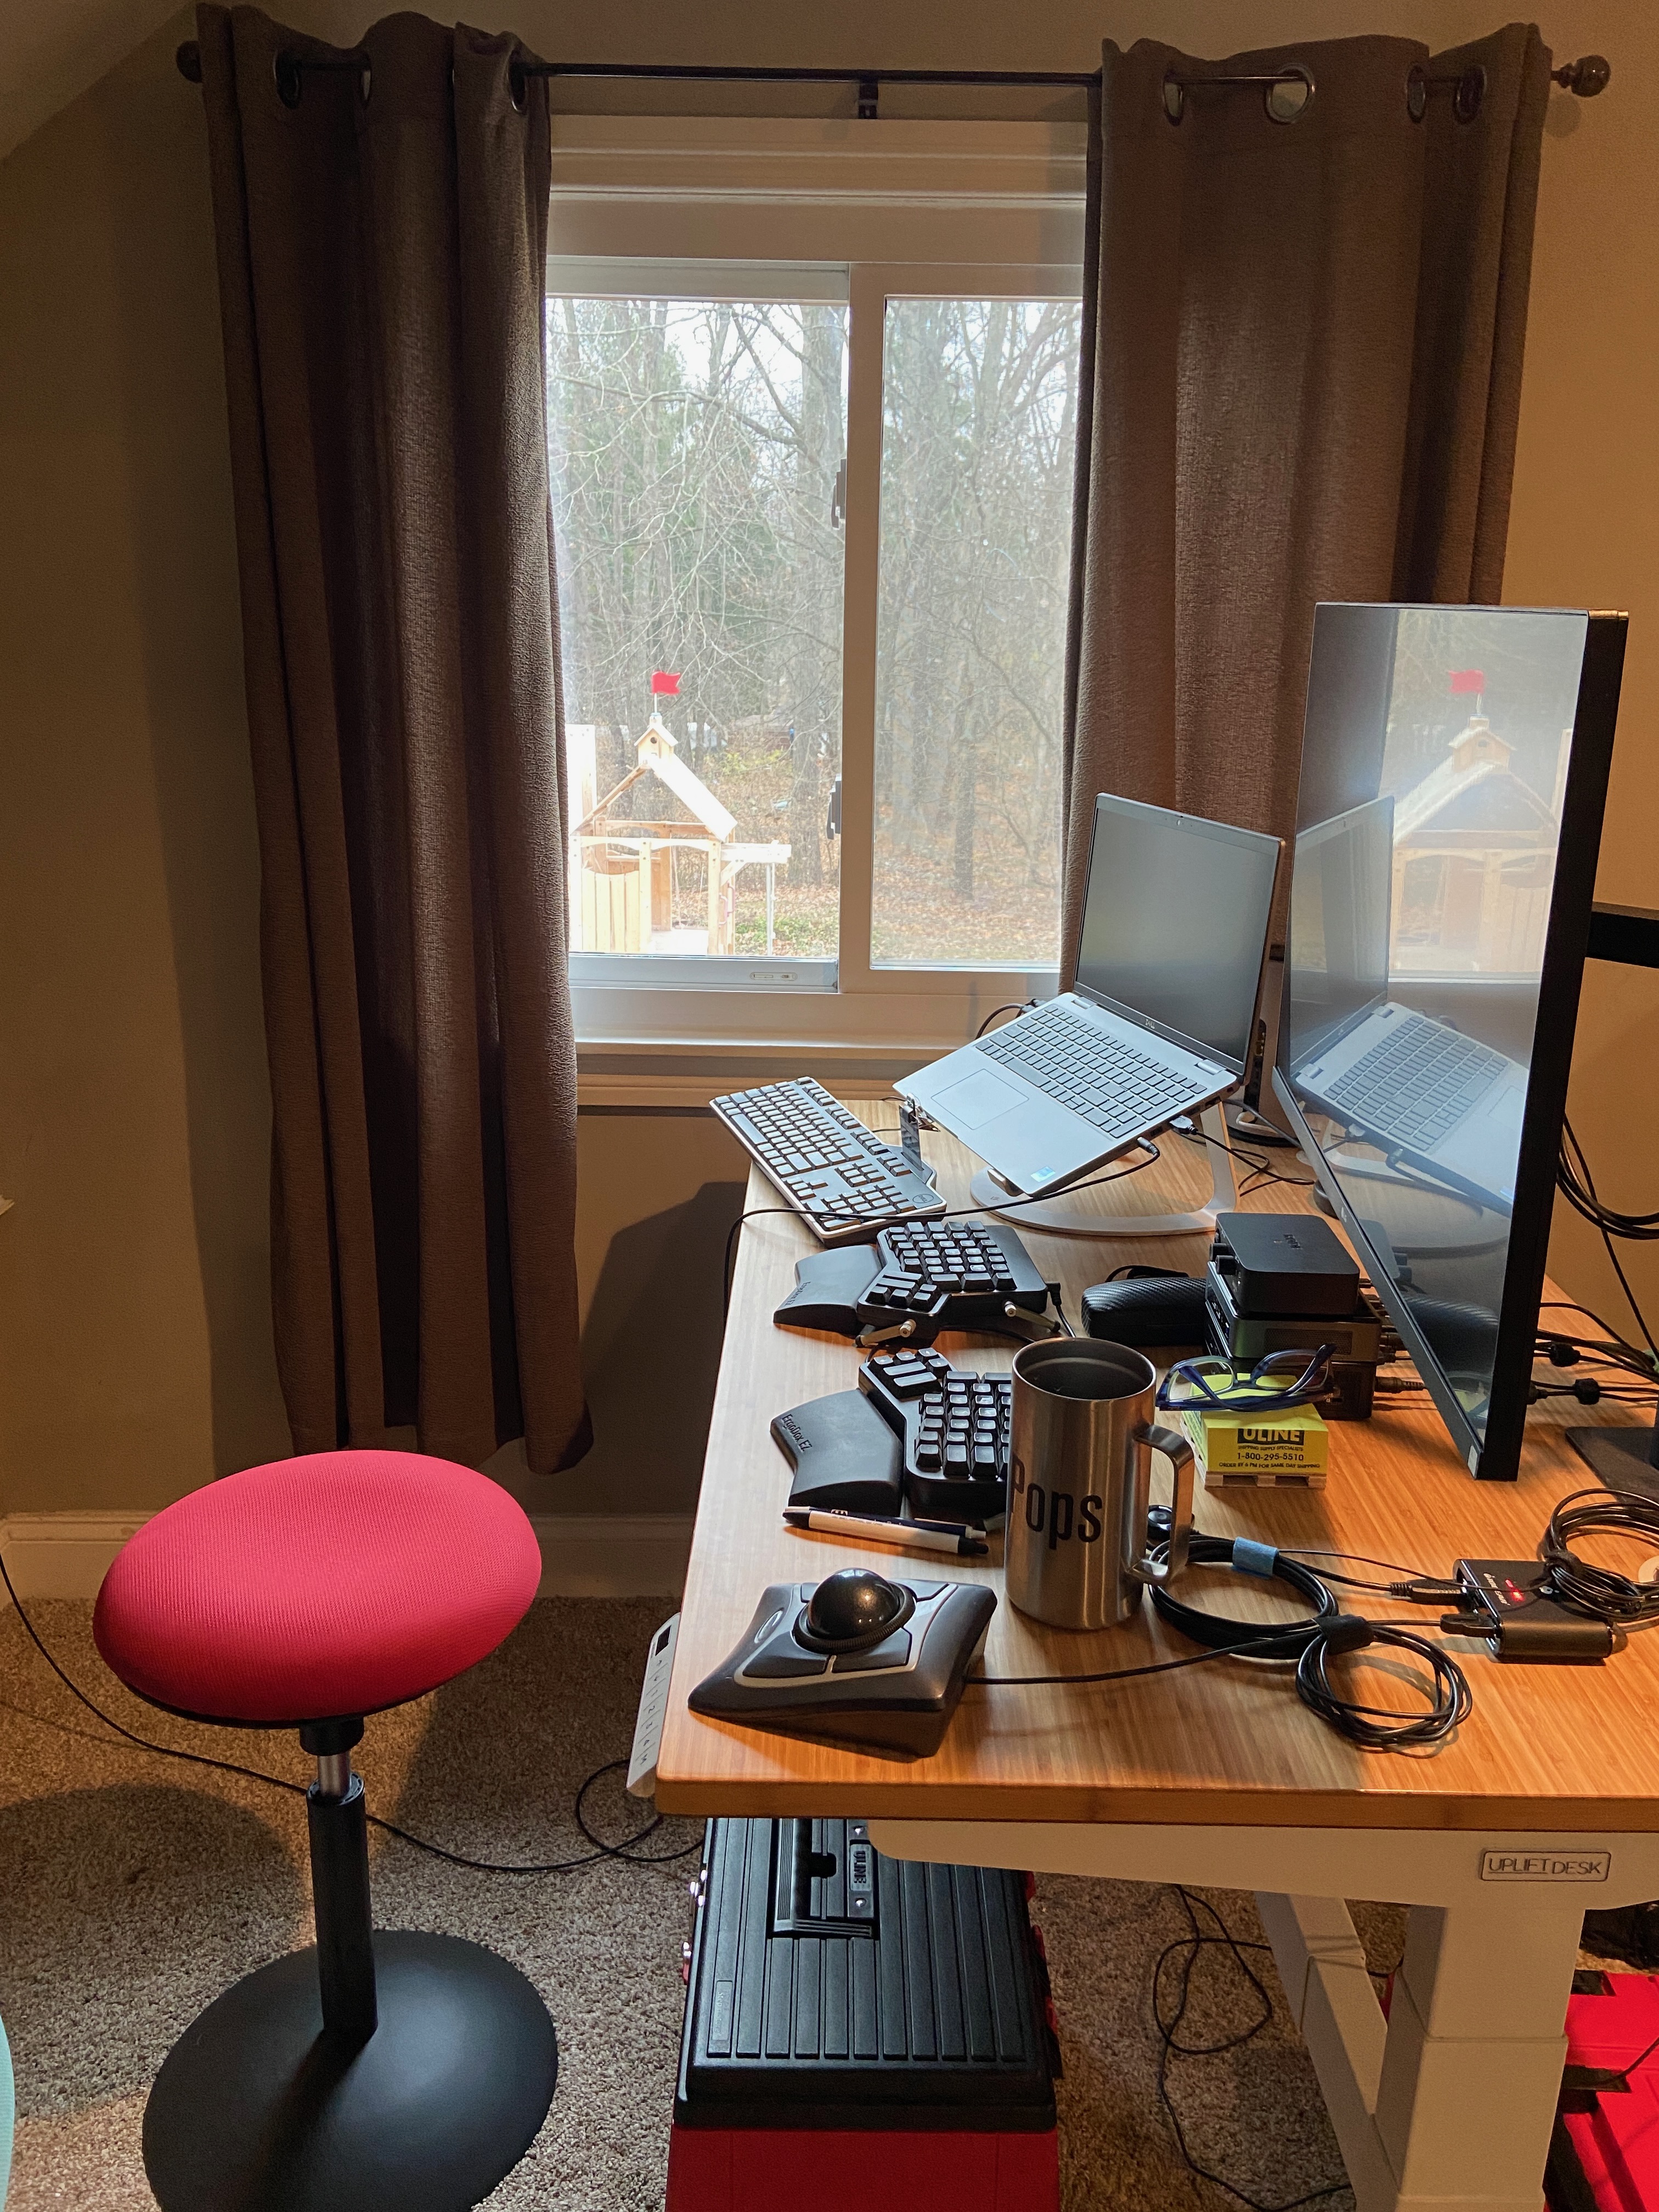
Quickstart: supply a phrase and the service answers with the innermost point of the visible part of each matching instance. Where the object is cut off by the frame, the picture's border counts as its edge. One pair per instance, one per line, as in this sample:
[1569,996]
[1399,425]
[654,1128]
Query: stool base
[254,2108]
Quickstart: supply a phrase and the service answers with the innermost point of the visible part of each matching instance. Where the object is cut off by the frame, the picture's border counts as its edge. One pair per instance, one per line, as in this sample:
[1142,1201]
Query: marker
[952,1536]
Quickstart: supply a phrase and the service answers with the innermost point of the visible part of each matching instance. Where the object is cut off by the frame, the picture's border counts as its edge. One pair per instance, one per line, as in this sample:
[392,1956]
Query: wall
[135,1354]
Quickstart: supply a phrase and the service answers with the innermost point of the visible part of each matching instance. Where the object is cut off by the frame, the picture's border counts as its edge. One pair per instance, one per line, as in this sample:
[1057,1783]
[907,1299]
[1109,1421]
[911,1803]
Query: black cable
[623,1851]
[1601,1592]
[1013,1006]
[1333,1634]
[1377,1728]
[1258,1171]
[1577,1185]
[1171,2046]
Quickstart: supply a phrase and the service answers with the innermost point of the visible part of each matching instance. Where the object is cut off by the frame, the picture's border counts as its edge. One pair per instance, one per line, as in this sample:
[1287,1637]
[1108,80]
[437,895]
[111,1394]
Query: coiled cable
[1601,1592]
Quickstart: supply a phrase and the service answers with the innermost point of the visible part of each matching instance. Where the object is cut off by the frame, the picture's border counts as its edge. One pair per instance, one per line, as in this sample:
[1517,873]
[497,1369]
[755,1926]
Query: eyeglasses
[1215,1385]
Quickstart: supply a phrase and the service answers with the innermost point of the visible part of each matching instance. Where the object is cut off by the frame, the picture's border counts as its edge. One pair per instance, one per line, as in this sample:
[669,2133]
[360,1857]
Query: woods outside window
[812,498]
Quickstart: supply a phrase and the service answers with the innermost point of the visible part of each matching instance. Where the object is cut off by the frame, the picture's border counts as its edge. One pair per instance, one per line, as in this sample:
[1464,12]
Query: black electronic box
[833,1988]
[1282,1282]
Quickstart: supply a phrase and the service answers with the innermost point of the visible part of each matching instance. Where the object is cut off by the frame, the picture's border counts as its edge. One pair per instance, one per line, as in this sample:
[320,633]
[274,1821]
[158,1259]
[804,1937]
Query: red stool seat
[341,1582]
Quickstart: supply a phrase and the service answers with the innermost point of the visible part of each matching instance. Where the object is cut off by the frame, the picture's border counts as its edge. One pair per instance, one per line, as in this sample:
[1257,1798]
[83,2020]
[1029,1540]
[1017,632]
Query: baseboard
[583,1555]
[63,1555]
[613,1554]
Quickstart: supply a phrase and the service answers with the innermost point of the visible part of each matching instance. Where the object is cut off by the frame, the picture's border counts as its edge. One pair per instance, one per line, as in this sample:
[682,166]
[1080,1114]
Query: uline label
[1546,1866]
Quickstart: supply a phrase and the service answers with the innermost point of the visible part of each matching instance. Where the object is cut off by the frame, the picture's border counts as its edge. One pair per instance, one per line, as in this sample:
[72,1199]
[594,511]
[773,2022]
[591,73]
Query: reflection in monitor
[1175,923]
[1454,771]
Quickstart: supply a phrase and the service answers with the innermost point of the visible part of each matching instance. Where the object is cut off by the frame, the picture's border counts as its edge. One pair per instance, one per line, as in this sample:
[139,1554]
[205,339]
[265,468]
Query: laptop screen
[1175,924]
[1339,906]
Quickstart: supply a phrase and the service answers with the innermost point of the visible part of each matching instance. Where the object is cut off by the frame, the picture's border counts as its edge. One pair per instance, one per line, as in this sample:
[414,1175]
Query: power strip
[653,1712]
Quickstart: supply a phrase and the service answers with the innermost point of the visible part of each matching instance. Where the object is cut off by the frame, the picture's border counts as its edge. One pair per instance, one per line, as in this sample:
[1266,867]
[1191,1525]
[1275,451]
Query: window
[812,393]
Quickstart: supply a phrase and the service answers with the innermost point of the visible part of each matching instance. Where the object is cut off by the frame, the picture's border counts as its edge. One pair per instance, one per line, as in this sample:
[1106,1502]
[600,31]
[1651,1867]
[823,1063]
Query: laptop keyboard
[1098,1075]
[1417,1084]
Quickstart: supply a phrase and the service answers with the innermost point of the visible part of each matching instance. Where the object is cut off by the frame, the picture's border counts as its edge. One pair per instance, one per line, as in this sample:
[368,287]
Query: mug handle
[1179,1453]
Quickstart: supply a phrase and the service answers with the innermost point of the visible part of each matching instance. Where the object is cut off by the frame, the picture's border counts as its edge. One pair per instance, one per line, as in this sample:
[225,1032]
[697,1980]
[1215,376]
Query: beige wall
[135,1352]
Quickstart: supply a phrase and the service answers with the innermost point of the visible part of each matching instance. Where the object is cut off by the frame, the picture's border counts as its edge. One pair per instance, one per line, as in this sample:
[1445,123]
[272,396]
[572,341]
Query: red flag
[1469,679]
[663,686]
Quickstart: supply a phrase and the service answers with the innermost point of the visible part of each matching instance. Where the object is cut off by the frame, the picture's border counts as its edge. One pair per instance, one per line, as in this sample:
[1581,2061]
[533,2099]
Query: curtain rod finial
[189,61]
[1588,76]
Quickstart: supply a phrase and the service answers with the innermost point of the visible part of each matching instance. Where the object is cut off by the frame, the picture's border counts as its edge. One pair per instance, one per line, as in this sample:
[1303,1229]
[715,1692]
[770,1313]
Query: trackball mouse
[853,1609]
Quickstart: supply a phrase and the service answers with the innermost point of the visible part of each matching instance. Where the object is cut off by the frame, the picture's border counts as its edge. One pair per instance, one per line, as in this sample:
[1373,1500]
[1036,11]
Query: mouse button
[766,1628]
[782,1662]
[924,1593]
[895,1651]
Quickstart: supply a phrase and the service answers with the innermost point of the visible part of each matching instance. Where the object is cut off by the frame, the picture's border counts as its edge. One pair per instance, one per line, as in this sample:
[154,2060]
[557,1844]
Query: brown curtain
[381,244]
[1302,373]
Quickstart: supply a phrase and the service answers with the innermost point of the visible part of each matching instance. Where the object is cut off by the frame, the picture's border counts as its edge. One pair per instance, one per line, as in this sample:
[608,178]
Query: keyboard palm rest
[847,1458]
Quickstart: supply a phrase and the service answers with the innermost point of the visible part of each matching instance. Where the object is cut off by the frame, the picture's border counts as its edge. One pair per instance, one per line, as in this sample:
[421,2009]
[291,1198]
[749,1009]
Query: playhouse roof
[659,756]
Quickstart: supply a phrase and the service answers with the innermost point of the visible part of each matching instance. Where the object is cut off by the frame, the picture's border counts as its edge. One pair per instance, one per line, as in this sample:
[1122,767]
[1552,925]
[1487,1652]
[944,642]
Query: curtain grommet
[365,84]
[518,84]
[290,81]
[1174,99]
[1468,94]
[1417,92]
[1290,95]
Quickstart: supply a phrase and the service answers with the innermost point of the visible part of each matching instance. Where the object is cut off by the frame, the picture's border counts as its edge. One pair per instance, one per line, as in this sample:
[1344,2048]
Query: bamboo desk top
[1547,1747]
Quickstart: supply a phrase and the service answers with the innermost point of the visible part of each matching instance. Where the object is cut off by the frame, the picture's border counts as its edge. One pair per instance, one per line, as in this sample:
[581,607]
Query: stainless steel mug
[1079,1482]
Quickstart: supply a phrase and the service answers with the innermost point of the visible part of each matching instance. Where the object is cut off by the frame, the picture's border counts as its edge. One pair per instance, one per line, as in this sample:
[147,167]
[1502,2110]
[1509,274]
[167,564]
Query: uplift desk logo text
[1546,1866]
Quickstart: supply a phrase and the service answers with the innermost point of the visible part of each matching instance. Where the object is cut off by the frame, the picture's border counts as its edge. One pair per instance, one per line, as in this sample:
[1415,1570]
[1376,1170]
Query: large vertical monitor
[1454,774]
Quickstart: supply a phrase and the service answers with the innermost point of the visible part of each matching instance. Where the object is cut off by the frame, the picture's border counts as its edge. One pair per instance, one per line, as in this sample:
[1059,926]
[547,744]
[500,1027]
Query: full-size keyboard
[834,1173]
[1102,1076]
[1417,1084]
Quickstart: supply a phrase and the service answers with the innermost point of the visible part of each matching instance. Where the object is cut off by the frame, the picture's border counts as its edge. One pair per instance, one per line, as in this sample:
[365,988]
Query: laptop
[1423,1092]
[1161,1020]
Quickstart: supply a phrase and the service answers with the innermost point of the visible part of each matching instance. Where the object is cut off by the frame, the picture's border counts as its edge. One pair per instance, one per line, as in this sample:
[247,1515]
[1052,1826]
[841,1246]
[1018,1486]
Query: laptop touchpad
[979,1098]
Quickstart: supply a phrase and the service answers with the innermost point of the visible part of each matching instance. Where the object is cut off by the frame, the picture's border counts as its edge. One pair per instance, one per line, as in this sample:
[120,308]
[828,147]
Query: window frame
[907,211]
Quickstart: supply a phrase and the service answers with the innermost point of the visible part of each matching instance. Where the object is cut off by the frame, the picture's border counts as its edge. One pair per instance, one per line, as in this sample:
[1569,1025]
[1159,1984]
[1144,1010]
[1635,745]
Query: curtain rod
[1586,77]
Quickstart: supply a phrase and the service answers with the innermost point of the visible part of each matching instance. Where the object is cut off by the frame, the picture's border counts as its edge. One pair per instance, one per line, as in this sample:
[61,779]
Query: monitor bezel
[1496,1456]
[1223,833]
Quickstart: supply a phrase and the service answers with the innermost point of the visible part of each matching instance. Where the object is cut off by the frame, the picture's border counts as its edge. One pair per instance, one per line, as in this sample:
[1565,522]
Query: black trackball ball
[856,1605]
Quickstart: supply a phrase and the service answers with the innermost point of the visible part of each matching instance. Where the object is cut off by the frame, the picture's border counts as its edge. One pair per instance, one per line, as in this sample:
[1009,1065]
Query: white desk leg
[1447,2107]
[1477,2028]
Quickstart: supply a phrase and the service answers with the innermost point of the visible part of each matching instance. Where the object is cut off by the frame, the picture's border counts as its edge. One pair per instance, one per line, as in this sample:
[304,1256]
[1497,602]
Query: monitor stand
[1623,1458]
[1066,1214]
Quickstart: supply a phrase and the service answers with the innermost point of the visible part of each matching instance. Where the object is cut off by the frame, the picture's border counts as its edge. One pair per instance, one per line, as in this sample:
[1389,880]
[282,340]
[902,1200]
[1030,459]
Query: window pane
[696,448]
[979,417]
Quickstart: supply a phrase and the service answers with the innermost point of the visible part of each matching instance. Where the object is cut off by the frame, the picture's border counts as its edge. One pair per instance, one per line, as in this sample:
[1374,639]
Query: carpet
[135,1888]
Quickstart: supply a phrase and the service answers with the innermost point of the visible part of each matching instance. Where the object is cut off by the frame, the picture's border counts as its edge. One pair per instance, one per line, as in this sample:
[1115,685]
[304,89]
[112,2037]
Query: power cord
[625,1851]
[1013,1006]
[1187,1949]
[1577,1186]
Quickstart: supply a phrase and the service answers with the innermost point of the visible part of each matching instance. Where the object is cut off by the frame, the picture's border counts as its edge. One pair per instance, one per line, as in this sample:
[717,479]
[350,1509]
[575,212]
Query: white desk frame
[1447,2105]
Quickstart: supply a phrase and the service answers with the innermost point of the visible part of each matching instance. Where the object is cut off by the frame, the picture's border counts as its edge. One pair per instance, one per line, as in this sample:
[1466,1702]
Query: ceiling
[53,50]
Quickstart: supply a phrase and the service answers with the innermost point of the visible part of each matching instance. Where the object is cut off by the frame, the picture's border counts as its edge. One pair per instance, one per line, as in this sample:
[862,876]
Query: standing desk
[1547,1801]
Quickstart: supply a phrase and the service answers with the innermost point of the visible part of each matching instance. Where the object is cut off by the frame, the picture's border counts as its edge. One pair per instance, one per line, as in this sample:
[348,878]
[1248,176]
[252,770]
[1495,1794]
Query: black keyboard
[1416,1086]
[917,1278]
[953,1428]
[836,1174]
[1102,1077]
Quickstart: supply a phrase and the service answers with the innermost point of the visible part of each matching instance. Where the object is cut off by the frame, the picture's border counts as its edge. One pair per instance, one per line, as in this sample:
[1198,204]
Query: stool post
[337,1816]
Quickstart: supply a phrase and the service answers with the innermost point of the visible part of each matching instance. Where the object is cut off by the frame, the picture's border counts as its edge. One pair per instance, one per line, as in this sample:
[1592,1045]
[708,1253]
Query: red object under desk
[1618,2140]
[758,2169]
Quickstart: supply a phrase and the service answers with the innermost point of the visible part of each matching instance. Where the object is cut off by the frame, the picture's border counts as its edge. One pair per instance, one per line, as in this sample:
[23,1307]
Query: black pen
[954,1537]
